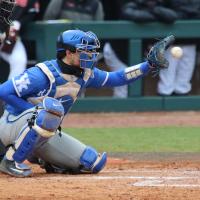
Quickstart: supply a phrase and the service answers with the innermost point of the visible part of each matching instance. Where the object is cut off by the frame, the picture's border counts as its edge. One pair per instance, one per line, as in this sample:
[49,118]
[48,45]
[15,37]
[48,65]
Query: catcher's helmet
[77,39]
[86,43]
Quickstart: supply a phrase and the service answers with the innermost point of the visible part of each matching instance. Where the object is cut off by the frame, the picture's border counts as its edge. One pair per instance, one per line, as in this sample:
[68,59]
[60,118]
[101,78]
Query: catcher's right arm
[6,8]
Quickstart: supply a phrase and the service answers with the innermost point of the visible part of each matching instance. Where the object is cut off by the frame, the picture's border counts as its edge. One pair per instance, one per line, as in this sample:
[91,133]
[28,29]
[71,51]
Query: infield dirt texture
[138,176]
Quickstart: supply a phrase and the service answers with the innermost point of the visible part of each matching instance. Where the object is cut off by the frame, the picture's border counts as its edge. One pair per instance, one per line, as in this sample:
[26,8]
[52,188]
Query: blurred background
[127,29]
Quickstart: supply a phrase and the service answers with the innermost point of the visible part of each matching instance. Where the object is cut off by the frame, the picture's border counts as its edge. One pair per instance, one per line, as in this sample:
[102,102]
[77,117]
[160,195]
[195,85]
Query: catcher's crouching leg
[91,161]
[43,123]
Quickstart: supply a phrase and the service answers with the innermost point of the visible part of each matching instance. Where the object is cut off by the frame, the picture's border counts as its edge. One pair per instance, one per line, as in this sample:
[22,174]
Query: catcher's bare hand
[156,57]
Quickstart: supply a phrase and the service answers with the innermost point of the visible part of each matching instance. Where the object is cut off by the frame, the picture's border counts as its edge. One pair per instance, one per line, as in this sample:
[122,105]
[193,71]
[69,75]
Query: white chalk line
[153,171]
[166,185]
[85,177]
[140,181]
[159,182]
[116,177]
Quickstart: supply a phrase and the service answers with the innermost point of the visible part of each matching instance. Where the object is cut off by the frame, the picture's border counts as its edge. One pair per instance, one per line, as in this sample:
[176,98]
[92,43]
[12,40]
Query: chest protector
[64,87]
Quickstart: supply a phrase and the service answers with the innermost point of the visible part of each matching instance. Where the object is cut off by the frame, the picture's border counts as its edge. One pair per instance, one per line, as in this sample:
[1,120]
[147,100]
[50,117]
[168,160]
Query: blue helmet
[86,43]
[77,39]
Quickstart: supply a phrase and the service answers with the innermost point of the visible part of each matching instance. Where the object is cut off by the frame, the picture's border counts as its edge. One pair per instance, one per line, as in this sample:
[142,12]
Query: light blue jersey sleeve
[15,92]
[102,78]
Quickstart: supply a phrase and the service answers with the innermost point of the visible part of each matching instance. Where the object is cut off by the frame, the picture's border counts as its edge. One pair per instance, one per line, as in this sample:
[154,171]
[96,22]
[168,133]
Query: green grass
[163,139]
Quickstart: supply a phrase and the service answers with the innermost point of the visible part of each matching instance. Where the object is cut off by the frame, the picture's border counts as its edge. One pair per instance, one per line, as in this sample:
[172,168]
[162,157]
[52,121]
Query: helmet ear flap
[62,47]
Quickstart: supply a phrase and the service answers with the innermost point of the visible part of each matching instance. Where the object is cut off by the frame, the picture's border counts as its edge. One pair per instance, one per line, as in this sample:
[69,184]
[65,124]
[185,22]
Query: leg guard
[44,122]
[91,161]
[24,144]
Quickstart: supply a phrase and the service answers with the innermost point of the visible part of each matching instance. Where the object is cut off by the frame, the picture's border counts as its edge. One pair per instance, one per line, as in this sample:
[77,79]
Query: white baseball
[177,52]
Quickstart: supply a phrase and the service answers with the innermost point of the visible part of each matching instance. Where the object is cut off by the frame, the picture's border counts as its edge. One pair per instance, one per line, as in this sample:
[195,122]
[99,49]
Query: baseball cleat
[22,166]
[13,169]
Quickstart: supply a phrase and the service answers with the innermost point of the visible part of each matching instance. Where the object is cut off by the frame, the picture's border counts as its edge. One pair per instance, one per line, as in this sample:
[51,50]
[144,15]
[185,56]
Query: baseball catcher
[38,99]
[6,8]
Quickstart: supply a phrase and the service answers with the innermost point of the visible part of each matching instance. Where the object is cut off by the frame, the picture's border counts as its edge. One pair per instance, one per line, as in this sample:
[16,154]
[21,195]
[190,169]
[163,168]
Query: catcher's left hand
[156,57]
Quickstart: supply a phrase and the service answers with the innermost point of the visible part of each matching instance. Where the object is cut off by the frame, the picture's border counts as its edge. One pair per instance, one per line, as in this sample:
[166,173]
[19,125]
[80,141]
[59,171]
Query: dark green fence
[45,33]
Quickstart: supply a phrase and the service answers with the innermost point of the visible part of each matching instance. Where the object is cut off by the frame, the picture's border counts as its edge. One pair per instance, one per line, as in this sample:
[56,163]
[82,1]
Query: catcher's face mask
[88,50]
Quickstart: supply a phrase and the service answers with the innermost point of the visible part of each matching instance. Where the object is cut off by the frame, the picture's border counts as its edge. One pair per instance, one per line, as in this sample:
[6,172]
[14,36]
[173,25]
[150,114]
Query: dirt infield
[126,176]
[133,119]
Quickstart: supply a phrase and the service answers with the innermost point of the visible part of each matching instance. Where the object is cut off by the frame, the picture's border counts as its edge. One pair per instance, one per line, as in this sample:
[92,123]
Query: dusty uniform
[46,79]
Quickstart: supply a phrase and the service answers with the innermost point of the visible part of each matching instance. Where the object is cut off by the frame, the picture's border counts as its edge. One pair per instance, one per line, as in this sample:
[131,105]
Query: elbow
[3,93]
[6,90]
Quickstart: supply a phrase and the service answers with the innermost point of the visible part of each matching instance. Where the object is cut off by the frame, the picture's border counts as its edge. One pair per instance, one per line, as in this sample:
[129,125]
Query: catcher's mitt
[6,8]
[156,57]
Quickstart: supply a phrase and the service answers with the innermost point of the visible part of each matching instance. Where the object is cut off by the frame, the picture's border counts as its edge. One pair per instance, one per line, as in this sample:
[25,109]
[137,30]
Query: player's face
[72,58]
[75,59]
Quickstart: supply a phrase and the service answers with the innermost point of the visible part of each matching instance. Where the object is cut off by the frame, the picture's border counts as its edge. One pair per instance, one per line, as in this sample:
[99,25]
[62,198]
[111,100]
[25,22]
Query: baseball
[177,52]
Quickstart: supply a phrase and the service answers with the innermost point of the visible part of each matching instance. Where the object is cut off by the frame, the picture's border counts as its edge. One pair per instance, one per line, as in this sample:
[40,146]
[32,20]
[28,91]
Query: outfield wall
[44,35]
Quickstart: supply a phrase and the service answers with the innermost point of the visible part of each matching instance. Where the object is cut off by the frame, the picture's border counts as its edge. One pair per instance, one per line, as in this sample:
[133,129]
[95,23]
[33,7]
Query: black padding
[2,150]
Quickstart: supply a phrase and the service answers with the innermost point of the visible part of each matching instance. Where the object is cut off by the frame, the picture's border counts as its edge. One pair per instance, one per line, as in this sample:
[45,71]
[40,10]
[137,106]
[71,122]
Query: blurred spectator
[13,50]
[176,80]
[43,7]
[74,10]
[148,11]
[114,64]
[112,50]
[112,9]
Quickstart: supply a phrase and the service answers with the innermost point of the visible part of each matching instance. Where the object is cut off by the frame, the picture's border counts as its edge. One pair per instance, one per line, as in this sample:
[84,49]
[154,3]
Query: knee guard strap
[49,117]
[92,161]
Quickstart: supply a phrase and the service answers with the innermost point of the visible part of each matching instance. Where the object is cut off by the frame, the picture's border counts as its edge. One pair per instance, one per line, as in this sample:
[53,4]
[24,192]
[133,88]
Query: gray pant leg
[63,151]
[11,125]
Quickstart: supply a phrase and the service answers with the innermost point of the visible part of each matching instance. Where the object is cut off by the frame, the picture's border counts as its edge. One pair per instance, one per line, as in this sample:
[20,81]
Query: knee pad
[44,122]
[91,161]
[49,117]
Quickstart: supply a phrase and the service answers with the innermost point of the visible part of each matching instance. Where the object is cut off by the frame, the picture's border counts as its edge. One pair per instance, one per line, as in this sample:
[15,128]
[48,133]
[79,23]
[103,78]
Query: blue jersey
[46,79]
